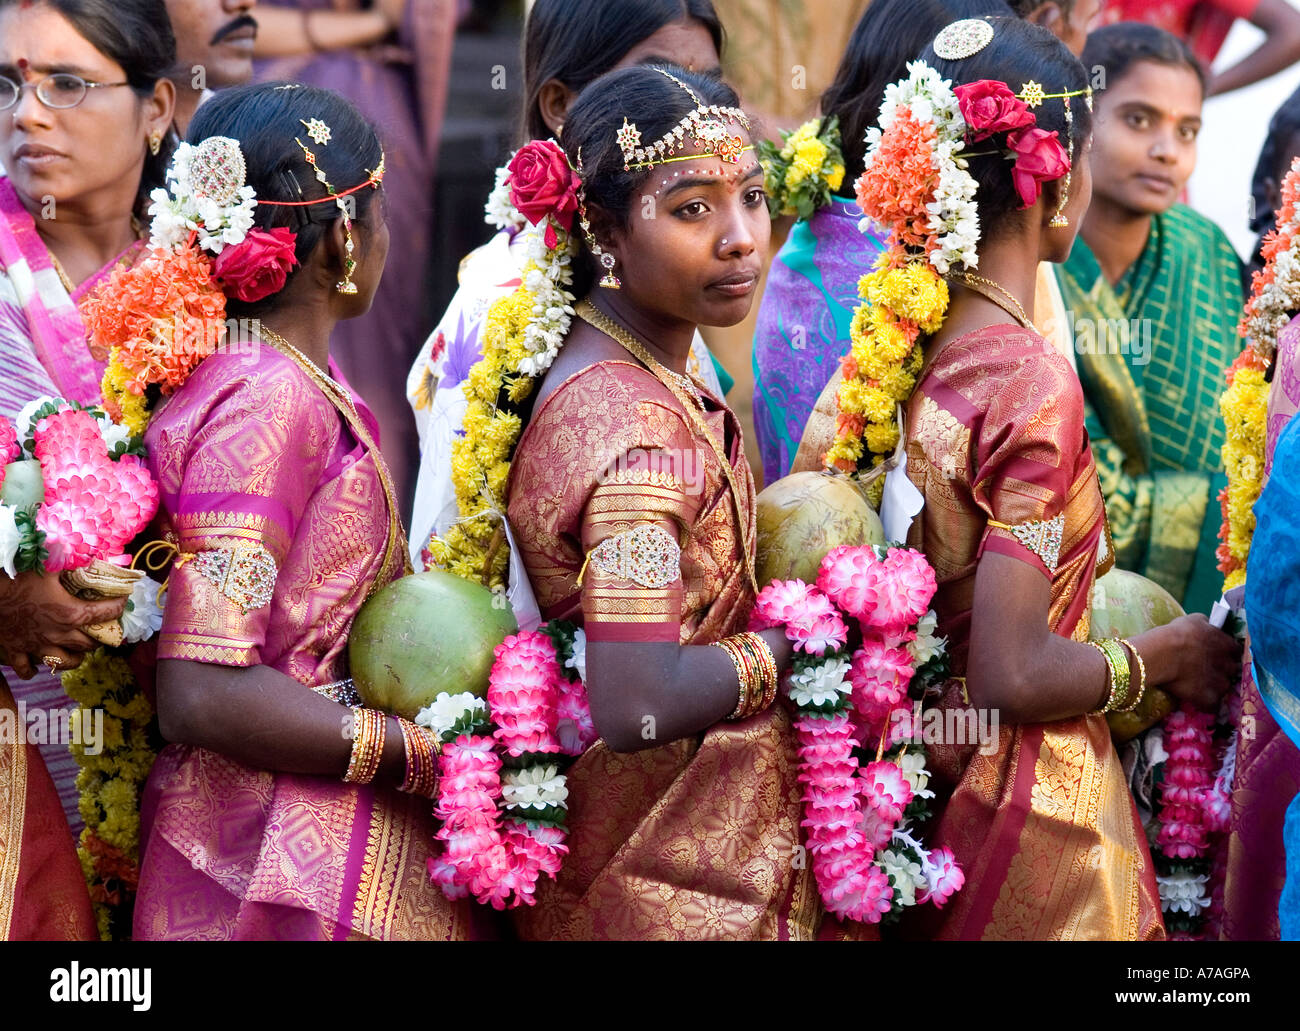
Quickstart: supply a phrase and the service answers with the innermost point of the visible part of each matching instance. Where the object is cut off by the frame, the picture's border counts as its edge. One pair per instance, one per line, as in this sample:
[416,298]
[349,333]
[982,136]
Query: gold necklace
[991,290]
[592,315]
[341,400]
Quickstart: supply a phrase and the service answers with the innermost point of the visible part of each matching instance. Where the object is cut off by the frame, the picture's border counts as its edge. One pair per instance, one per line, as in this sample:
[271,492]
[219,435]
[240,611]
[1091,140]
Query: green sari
[1152,352]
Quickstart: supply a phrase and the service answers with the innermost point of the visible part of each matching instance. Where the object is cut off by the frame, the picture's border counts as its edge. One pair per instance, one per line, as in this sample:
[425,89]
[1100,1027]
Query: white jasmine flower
[143,616]
[912,765]
[1183,892]
[927,645]
[818,685]
[113,433]
[906,873]
[578,660]
[445,711]
[534,788]
[10,538]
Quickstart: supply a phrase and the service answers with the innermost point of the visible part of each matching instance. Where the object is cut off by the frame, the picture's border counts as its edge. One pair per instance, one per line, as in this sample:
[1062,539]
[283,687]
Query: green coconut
[1124,605]
[425,634]
[23,485]
[805,515]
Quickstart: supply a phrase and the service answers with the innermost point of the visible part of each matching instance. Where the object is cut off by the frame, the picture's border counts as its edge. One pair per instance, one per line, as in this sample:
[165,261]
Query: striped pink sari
[43,351]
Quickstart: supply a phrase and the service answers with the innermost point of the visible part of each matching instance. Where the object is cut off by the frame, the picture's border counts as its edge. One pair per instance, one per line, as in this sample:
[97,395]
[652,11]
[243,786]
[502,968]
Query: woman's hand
[1194,661]
[40,620]
[394,11]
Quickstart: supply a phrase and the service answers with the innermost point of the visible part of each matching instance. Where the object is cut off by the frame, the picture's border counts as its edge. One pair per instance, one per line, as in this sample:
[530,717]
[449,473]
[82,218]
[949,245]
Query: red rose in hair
[989,106]
[258,267]
[541,184]
[1039,158]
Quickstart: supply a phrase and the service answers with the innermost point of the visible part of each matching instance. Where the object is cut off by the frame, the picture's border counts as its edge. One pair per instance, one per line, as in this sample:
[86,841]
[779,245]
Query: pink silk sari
[256,467]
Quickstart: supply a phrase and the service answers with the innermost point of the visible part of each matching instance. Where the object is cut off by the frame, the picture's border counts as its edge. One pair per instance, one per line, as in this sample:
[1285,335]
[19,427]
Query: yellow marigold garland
[879,372]
[1245,416]
[110,783]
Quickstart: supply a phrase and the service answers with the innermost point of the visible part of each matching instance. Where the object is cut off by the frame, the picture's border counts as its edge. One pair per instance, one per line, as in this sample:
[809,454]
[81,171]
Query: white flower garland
[177,212]
[954,215]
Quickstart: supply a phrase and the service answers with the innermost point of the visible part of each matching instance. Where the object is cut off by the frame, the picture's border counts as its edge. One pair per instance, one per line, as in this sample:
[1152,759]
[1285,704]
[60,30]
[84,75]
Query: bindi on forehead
[718,174]
[23,64]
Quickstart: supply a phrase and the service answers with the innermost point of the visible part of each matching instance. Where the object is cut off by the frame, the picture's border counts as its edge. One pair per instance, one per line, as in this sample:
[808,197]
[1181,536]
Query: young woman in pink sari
[277,812]
[83,112]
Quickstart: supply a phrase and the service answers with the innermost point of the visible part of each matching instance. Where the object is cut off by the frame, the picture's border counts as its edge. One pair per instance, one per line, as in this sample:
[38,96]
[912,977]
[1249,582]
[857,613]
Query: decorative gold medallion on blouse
[246,575]
[646,554]
[1042,537]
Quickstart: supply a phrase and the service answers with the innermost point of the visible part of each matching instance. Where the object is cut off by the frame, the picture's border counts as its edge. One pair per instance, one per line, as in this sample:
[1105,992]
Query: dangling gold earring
[346,286]
[1059,220]
[155,142]
[609,281]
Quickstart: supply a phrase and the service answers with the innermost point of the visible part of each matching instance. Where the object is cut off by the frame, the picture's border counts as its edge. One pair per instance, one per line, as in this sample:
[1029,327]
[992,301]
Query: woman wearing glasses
[84,110]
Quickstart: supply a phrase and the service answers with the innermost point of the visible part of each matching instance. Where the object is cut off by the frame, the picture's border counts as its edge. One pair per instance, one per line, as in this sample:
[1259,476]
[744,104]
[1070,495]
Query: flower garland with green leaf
[521,337]
[801,175]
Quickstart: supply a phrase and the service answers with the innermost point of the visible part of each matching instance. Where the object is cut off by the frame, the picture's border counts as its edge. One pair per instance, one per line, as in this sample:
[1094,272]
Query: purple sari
[803,325]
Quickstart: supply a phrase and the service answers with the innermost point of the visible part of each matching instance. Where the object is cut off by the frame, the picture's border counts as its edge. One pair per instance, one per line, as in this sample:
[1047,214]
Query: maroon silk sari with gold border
[1045,828]
[698,838]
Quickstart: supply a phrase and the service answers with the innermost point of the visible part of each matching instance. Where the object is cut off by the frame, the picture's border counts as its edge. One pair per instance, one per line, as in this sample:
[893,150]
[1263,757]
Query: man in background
[214,48]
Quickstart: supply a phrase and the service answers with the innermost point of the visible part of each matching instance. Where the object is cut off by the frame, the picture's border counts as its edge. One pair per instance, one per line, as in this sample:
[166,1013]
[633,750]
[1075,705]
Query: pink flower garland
[851,813]
[538,712]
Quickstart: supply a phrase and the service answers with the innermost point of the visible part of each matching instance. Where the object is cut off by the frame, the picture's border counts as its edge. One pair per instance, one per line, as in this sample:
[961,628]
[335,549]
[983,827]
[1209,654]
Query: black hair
[576,41]
[267,119]
[1114,49]
[136,34]
[1024,8]
[888,35]
[655,104]
[1020,52]
[1274,161]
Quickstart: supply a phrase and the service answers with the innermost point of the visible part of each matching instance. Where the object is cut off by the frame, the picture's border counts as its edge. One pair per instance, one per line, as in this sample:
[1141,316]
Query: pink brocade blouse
[282,509]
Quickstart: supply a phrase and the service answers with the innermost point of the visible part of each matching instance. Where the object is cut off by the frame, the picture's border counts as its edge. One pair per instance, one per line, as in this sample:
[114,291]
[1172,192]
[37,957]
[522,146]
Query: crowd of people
[993,319]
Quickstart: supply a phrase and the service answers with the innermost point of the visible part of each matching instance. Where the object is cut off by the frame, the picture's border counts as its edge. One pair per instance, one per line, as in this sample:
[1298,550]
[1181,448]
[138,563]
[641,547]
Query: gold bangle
[1117,662]
[1141,689]
[742,681]
[767,666]
[368,732]
[1111,677]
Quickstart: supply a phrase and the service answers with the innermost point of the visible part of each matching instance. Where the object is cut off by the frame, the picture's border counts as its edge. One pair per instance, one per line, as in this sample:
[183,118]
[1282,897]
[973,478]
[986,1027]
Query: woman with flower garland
[812,287]
[1156,289]
[78,155]
[1043,825]
[276,812]
[567,44]
[632,503]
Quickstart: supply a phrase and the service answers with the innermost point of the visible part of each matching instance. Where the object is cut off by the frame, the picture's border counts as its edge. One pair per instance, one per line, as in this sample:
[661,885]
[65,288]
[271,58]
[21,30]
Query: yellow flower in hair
[835,177]
[889,337]
[898,383]
[877,405]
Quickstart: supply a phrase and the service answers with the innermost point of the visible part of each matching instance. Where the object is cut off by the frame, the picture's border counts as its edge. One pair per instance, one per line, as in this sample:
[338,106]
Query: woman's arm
[39,619]
[644,695]
[290,32]
[263,719]
[1280,23]
[1031,675]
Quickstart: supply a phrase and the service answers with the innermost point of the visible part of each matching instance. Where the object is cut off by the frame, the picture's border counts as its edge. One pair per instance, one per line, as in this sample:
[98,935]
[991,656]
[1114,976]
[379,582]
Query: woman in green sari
[1154,292]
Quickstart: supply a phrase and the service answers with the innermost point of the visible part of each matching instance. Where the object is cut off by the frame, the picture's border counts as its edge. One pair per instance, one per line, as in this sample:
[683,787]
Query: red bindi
[22,64]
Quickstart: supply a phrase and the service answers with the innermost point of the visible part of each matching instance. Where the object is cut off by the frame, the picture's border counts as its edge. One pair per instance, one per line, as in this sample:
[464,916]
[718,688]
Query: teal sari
[1152,353]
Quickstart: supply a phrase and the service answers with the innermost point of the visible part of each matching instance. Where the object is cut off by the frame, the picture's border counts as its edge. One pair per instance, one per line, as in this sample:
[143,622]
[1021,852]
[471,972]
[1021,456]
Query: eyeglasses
[60,90]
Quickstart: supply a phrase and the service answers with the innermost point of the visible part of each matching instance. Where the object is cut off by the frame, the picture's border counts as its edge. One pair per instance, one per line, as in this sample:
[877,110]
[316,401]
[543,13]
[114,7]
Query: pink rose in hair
[990,107]
[258,267]
[1039,158]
